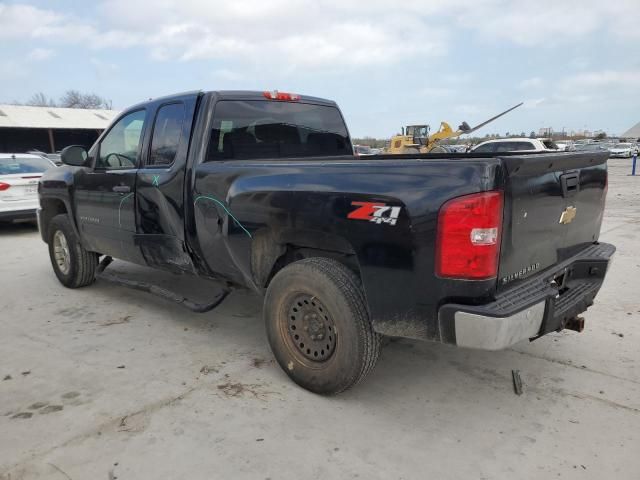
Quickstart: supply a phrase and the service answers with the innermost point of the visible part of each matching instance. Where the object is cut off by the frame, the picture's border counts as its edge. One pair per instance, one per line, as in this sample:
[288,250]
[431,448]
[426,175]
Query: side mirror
[75,155]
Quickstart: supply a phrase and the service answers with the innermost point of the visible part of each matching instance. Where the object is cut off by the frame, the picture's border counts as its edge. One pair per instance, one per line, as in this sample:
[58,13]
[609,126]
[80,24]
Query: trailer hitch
[159,291]
[576,324]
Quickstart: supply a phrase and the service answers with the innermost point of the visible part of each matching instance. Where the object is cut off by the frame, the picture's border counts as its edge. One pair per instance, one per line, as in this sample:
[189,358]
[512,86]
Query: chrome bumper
[495,333]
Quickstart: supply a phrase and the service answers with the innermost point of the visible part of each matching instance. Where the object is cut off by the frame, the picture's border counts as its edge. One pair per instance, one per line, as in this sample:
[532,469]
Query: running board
[159,291]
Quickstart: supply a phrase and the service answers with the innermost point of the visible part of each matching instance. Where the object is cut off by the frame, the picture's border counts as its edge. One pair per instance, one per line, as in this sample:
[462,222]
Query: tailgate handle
[570,184]
[121,189]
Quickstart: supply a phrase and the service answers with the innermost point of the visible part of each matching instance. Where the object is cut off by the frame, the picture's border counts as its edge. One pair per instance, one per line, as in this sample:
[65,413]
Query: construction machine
[416,138]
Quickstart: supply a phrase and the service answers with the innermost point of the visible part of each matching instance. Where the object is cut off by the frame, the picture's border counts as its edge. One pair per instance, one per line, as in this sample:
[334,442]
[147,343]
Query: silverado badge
[568,215]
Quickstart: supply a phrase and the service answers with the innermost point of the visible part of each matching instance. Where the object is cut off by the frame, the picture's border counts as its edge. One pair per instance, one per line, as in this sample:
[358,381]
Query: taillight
[4,186]
[468,237]
[276,95]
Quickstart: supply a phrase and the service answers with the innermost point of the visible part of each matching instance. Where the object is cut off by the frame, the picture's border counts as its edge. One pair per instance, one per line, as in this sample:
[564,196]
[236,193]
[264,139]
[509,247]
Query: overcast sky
[575,64]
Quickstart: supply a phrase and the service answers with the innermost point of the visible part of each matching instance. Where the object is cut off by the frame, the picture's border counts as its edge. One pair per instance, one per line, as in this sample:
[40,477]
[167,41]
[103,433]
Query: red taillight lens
[4,186]
[276,95]
[468,238]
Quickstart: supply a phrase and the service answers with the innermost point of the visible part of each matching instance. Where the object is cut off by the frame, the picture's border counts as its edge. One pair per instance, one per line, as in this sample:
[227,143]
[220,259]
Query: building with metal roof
[49,129]
[633,132]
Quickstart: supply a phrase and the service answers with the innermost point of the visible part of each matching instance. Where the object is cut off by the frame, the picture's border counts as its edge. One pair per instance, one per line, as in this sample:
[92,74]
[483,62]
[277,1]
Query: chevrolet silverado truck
[262,191]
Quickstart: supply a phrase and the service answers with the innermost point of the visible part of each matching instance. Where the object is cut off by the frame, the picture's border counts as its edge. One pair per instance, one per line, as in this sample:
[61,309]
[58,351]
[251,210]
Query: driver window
[119,148]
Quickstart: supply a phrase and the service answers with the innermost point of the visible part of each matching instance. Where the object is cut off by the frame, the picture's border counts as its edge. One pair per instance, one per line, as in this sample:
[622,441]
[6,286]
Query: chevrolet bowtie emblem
[568,215]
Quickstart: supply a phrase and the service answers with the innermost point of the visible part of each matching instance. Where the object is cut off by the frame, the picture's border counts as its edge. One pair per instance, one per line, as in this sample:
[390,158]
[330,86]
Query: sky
[575,64]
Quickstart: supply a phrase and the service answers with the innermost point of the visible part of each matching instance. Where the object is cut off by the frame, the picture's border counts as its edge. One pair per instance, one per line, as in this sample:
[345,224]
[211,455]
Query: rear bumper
[25,214]
[534,307]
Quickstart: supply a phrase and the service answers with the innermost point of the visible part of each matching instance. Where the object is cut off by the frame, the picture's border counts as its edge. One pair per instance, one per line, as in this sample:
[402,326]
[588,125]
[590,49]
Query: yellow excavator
[416,138]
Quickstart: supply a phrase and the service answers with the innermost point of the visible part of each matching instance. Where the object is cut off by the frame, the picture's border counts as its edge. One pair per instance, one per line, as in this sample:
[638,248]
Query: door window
[120,148]
[167,131]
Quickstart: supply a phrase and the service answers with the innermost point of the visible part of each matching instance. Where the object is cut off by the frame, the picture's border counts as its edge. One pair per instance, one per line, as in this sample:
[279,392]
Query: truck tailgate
[554,205]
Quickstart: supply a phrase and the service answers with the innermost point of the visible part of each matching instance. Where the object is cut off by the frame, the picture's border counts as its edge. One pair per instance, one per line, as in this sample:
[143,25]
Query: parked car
[363,151]
[622,150]
[566,146]
[19,175]
[522,145]
[54,157]
[262,191]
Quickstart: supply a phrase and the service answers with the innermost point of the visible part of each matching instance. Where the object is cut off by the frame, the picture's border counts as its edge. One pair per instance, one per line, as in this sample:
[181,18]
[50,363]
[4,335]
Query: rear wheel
[73,265]
[318,326]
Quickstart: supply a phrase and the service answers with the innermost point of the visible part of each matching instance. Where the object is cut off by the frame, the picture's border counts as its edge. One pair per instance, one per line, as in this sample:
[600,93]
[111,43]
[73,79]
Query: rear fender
[272,249]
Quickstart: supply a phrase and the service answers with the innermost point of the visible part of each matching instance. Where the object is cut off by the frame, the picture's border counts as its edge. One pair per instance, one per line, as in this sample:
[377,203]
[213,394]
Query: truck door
[160,186]
[105,194]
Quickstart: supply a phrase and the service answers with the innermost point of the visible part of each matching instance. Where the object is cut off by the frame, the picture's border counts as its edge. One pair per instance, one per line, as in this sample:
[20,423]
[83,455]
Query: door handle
[121,189]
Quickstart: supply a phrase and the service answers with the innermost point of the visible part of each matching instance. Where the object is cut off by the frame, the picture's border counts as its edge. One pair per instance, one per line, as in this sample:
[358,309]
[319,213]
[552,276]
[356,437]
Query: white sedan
[19,175]
[624,150]
[522,145]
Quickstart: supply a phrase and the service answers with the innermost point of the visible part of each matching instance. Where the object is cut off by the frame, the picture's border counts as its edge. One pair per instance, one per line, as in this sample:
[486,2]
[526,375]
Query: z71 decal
[375,212]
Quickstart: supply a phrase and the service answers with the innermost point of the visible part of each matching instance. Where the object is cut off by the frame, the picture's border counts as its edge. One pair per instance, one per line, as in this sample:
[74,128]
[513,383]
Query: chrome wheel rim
[61,252]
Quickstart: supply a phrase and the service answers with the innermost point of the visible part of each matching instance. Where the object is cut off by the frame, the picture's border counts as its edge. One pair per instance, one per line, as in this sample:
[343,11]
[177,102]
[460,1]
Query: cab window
[513,146]
[486,148]
[120,148]
[167,131]
[258,129]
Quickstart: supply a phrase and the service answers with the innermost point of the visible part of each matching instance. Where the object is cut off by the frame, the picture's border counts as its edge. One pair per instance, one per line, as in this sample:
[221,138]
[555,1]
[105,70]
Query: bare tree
[76,99]
[71,99]
[40,100]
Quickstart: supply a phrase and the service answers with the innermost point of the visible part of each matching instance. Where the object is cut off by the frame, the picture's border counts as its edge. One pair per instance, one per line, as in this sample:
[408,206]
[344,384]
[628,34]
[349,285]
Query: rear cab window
[261,129]
[22,165]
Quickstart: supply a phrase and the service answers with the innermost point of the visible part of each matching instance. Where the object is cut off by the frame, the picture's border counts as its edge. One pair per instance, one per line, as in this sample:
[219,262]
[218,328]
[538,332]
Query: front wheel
[73,265]
[318,326]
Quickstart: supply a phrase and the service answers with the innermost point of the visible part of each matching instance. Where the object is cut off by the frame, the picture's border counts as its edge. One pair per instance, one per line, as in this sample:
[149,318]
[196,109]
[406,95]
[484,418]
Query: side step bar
[159,291]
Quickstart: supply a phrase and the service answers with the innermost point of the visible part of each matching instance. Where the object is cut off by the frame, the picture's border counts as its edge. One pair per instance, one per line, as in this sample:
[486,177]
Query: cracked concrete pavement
[105,382]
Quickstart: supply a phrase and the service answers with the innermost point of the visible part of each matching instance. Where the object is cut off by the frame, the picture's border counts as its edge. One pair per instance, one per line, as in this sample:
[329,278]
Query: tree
[532,134]
[40,100]
[76,99]
[522,134]
[71,99]
[601,136]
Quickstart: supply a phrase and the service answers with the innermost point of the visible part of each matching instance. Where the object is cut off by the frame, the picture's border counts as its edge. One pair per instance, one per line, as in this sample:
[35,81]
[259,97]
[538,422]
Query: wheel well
[50,208]
[274,249]
[293,253]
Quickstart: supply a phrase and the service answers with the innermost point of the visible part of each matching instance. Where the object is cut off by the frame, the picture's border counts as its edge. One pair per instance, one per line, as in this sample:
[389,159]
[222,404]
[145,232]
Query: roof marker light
[283,96]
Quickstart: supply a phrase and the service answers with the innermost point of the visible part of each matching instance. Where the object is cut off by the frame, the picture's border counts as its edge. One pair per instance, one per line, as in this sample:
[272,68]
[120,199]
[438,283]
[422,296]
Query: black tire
[343,341]
[81,270]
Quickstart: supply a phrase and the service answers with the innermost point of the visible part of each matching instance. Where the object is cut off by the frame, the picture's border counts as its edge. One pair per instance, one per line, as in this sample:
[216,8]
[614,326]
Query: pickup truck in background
[261,190]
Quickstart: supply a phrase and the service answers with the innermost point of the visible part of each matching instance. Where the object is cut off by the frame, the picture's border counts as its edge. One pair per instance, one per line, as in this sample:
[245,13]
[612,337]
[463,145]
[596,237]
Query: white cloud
[226,74]
[530,83]
[40,54]
[103,70]
[601,79]
[547,23]
[310,34]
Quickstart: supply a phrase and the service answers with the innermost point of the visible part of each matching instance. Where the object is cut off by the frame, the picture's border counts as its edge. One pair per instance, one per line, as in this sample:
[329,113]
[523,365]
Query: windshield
[418,130]
[622,145]
[550,144]
[363,149]
[251,129]
[10,166]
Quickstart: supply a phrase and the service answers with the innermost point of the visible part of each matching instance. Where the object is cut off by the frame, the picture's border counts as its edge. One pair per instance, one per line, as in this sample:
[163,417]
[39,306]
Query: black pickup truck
[261,190]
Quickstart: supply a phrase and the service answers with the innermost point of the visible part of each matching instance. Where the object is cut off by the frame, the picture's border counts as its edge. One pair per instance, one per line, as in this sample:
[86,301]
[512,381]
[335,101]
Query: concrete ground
[106,383]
